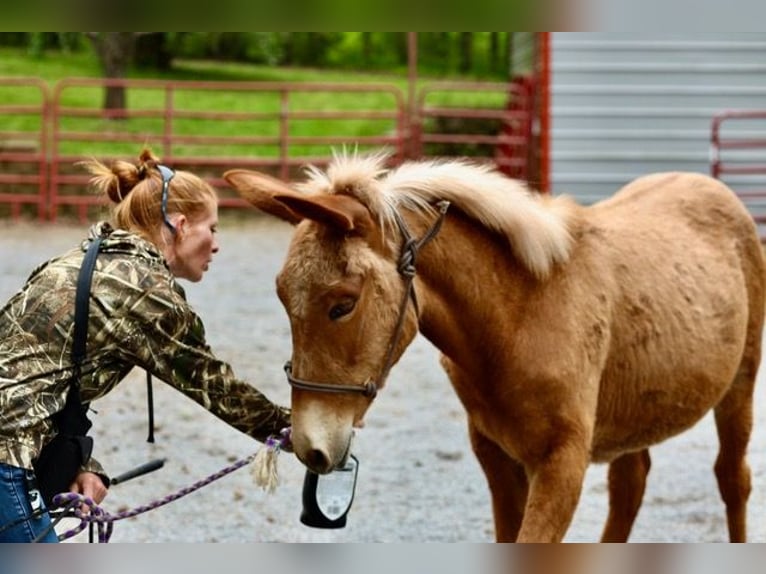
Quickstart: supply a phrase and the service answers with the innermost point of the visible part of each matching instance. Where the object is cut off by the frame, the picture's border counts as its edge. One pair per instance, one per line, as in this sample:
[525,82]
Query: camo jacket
[138,317]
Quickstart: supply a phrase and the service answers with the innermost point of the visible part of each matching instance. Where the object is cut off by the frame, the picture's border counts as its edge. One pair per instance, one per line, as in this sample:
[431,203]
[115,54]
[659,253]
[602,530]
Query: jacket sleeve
[95,467]
[165,337]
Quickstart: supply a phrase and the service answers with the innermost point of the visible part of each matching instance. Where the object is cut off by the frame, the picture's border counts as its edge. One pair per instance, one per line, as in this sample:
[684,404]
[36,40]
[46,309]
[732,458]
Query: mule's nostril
[317,461]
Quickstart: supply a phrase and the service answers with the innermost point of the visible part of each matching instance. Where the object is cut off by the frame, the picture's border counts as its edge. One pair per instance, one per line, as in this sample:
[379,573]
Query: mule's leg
[555,484]
[734,422]
[507,485]
[734,414]
[627,482]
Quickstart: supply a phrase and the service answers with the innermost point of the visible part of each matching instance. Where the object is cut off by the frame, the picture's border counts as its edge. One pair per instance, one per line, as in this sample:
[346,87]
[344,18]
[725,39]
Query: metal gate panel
[738,158]
[166,116]
[23,145]
[497,129]
[627,104]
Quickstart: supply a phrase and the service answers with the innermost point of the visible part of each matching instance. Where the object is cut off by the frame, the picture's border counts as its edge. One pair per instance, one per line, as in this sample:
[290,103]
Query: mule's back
[703,203]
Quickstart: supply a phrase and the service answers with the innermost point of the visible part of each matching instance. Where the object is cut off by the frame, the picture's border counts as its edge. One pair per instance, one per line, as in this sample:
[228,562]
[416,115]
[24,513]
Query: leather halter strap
[406,268]
[369,389]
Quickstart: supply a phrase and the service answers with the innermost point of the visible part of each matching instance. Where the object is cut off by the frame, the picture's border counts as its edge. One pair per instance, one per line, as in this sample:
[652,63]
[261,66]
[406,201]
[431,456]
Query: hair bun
[147,160]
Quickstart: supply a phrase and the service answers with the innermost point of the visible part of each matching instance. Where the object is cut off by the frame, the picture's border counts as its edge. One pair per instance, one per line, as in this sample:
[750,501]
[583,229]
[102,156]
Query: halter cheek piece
[406,268]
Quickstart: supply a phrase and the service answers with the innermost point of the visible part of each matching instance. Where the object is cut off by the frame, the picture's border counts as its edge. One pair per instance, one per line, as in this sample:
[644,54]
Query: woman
[162,228]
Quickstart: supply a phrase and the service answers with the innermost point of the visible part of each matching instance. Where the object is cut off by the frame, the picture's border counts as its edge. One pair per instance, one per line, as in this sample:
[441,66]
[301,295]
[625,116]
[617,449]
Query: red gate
[23,145]
[165,116]
[41,143]
[738,158]
[498,129]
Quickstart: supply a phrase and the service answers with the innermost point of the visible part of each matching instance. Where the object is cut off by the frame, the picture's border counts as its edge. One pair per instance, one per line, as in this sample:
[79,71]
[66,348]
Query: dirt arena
[418,480]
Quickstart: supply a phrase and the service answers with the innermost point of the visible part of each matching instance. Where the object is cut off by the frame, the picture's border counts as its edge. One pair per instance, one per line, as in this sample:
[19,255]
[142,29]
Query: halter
[406,268]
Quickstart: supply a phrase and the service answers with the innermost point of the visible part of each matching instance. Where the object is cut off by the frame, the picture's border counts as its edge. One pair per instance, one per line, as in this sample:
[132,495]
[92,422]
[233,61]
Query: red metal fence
[23,145]
[40,144]
[501,128]
[166,116]
[738,158]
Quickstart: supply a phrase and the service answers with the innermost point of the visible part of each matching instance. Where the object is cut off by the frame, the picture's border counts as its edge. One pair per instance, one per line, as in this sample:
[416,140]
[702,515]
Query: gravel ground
[418,480]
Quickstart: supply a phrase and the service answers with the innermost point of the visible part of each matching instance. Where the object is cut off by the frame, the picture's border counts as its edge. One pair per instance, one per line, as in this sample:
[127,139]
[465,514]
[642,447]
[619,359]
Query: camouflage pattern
[139,317]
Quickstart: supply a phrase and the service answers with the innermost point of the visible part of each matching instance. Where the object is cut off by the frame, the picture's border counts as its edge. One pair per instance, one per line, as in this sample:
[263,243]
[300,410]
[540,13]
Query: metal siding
[624,105]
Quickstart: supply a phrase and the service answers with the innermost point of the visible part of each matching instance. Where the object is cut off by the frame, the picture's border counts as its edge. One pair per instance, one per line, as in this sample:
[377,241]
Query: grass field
[309,107]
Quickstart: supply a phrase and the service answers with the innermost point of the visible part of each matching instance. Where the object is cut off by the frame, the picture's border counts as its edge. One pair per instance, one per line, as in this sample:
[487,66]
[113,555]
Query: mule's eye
[341,309]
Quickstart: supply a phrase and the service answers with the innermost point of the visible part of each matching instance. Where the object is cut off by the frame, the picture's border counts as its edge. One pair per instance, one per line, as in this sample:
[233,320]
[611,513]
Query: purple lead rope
[105,520]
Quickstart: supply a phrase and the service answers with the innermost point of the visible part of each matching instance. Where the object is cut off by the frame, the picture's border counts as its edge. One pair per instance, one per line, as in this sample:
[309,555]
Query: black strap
[72,419]
[82,303]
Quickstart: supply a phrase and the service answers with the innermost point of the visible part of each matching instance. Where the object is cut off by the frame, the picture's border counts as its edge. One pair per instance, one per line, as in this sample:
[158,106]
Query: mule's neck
[466,279]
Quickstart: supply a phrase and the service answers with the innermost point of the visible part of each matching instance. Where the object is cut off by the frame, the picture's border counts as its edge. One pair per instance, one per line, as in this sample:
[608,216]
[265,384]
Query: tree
[466,52]
[366,49]
[115,52]
[154,50]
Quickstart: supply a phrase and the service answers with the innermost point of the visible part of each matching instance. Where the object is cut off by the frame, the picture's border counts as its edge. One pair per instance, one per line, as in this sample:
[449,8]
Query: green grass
[55,66]
[260,111]
[50,67]
[201,141]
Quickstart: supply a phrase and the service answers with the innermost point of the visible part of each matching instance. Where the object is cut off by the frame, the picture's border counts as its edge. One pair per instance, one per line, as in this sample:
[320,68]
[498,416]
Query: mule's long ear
[259,189]
[342,212]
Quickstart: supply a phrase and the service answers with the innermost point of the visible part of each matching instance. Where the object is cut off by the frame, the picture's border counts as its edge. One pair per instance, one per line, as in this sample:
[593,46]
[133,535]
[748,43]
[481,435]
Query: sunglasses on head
[167,175]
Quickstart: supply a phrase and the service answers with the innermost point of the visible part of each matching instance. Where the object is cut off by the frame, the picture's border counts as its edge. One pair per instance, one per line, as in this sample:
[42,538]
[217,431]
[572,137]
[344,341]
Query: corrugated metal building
[623,105]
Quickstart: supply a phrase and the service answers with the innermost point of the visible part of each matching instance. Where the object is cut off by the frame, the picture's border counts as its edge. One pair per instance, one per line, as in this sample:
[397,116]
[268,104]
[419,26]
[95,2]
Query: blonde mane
[537,227]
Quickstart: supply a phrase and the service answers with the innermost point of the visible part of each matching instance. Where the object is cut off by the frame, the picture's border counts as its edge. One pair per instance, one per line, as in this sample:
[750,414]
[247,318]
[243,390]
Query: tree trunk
[288,45]
[466,52]
[115,52]
[494,51]
[511,55]
[152,51]
[400,39]
[366,49]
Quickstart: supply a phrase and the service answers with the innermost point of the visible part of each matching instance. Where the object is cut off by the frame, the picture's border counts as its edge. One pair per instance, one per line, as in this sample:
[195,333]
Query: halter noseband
[406,268]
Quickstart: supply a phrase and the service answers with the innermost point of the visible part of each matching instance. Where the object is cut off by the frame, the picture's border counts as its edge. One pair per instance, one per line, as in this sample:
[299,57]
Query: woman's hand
[89,484]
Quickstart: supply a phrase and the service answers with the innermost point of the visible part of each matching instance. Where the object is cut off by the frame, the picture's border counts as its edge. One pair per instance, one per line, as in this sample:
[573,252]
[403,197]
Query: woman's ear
[181,223]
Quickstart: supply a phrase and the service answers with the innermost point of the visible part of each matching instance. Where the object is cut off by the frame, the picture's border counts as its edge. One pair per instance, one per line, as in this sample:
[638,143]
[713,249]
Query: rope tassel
[264,465]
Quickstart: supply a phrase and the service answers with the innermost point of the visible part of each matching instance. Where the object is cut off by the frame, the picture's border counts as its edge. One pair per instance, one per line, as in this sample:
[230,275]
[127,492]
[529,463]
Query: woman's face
[191,249]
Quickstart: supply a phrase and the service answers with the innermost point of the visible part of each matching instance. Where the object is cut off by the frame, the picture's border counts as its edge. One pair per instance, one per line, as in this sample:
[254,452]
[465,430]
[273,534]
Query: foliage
[440,54]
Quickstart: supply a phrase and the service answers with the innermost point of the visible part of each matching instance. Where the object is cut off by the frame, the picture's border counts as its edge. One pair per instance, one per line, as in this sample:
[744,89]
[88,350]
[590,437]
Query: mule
[571,334]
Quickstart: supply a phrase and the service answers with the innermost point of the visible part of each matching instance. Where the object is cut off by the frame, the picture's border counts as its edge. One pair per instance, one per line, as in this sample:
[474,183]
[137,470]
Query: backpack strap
[73,419]
[81,305]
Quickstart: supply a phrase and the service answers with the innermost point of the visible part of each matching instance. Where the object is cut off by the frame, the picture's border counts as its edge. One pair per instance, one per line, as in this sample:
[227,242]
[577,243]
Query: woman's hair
[135,191]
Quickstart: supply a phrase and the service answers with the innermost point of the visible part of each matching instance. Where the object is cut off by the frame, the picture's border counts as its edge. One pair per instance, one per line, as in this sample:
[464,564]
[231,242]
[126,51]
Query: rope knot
[406,264]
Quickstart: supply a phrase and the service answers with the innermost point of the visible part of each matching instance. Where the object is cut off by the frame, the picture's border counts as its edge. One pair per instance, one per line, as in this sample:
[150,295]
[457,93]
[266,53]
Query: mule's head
[342,292]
